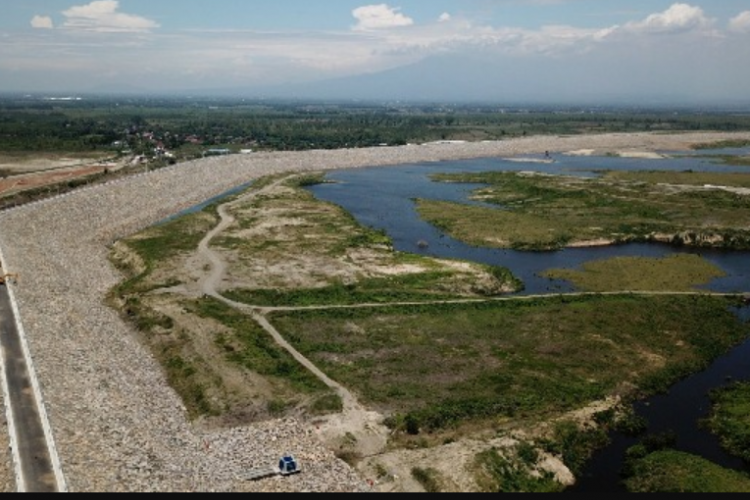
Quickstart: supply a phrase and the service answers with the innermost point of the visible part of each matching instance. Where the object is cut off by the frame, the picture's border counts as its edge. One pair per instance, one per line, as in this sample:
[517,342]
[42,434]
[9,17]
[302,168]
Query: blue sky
[694,50]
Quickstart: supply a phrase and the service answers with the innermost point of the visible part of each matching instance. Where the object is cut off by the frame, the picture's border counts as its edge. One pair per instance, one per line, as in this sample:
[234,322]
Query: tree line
[186,126]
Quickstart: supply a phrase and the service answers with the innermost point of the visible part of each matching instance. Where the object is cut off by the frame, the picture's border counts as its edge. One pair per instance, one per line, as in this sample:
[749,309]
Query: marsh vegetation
[546,212]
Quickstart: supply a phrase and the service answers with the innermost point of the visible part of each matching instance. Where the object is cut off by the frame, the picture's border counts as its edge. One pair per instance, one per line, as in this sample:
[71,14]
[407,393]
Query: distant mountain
[581,80]
[435,79]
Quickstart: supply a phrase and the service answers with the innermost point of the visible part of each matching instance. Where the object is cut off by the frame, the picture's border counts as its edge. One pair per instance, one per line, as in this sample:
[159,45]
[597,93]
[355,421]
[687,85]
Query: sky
[483,50]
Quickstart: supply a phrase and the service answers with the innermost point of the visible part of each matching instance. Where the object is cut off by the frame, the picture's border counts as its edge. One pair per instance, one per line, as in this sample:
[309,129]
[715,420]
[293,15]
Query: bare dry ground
[29,171]
[24,163]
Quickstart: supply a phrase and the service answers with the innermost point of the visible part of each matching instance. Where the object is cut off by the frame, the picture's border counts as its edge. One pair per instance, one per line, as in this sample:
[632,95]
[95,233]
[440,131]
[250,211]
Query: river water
[383,198]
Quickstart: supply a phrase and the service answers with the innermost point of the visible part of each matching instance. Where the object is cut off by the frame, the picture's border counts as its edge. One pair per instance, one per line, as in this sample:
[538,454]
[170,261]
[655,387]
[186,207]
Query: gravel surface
[117,425]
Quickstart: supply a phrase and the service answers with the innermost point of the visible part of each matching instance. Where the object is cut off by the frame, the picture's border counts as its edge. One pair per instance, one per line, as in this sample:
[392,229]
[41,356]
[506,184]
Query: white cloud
[381,16]
[103,16]
[680,17]
[240,58]
[741,23]
[42,22]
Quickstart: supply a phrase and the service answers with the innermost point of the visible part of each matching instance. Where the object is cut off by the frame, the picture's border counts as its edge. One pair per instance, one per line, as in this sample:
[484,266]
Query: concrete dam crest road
[36,469]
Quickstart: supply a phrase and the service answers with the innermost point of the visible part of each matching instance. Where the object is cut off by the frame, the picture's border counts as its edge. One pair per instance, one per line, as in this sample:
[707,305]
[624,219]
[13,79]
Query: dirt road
[371,435]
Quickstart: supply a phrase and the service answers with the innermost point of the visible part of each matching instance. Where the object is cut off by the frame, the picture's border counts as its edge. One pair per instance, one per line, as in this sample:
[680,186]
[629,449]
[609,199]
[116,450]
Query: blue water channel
[383,198]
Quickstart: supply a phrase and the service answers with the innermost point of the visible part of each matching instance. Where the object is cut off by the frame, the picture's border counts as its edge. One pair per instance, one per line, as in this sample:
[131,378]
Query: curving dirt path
[366,426]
